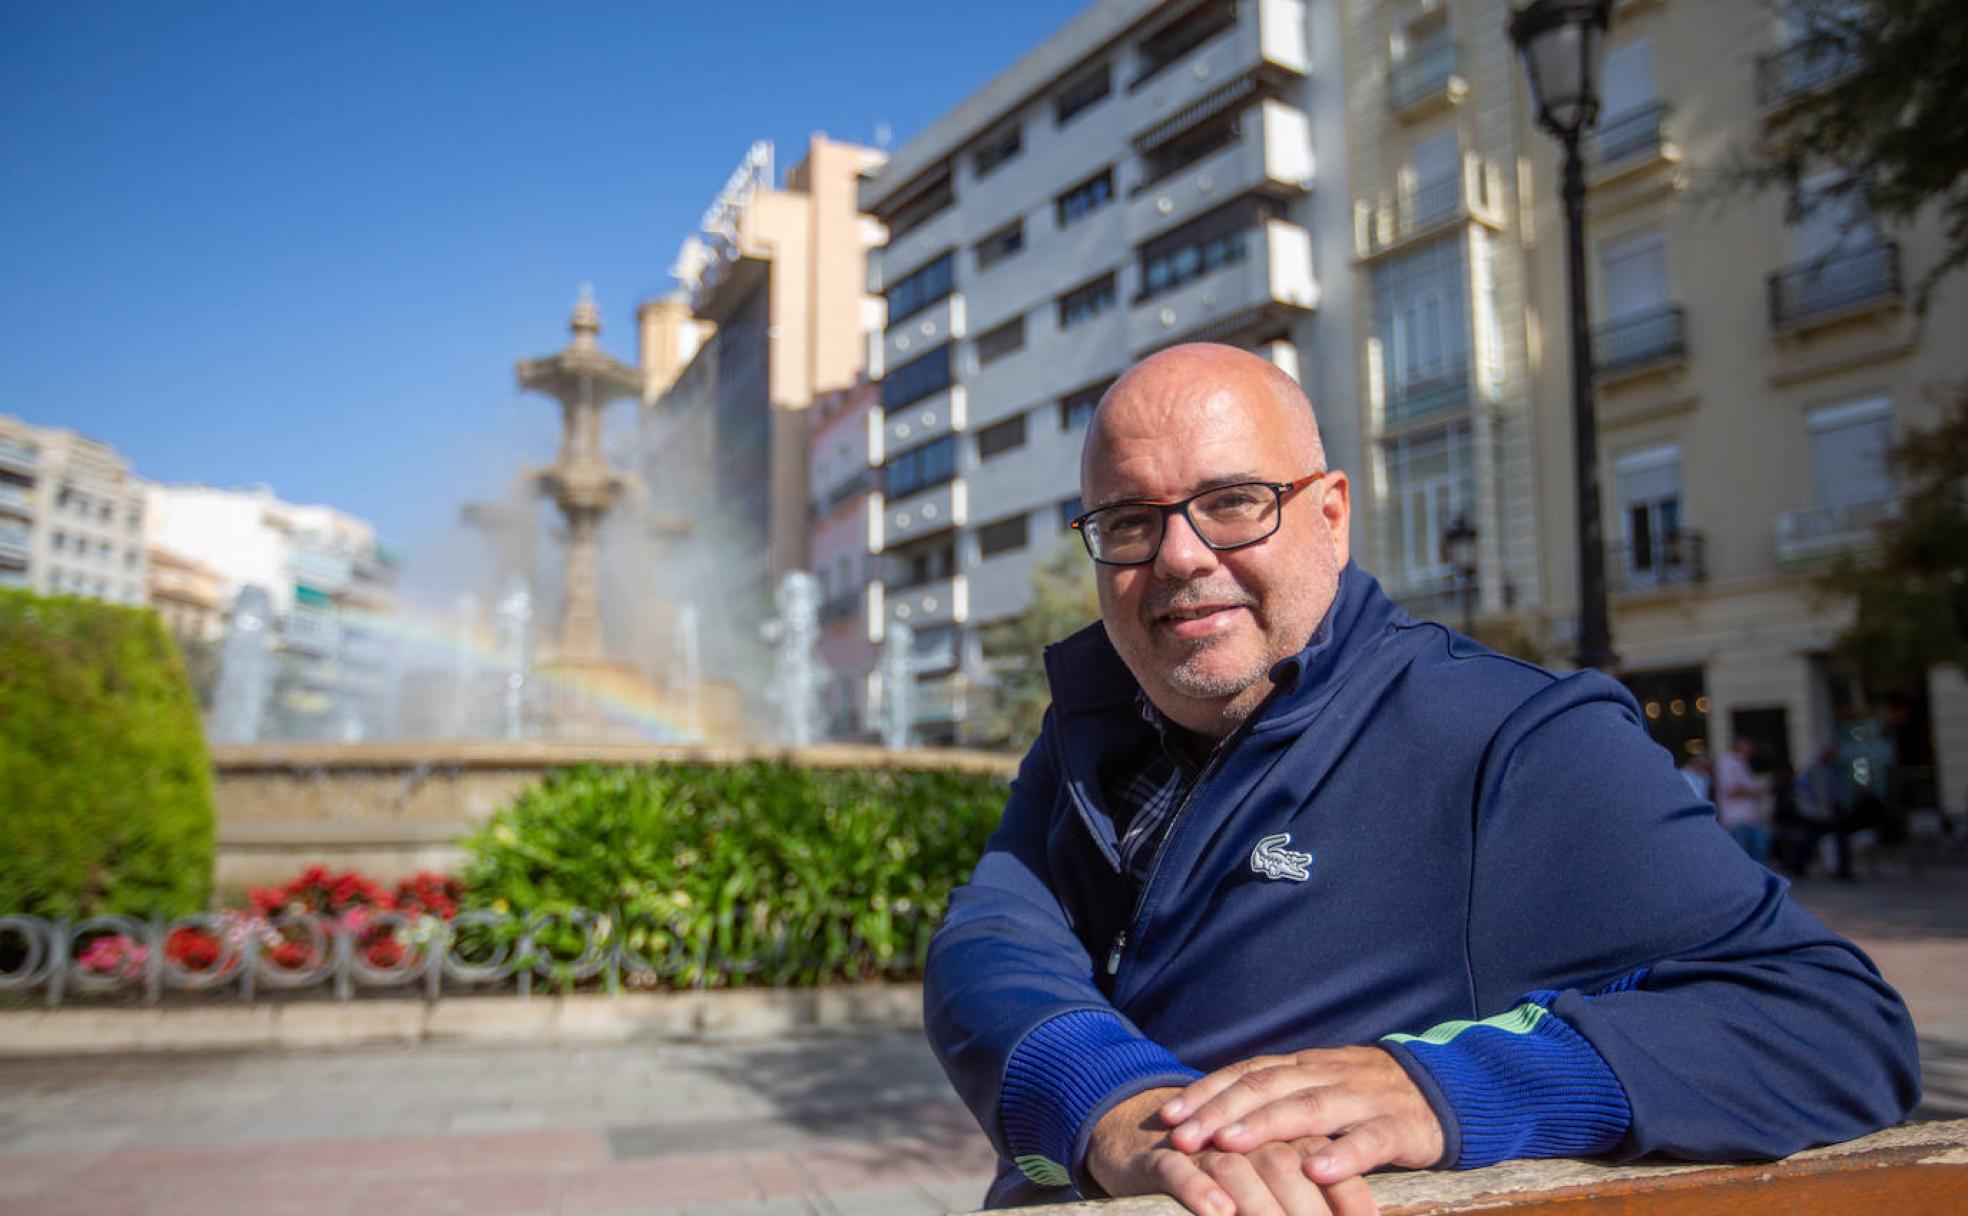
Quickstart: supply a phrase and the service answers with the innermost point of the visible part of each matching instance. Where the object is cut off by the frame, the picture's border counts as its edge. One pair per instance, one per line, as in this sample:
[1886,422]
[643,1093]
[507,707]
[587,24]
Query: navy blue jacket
[1487,868]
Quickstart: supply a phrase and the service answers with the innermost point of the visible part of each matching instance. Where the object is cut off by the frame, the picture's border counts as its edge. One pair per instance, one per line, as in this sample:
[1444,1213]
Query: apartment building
[71,516]
[1751,373]
[331,587]
[1150,174]
[774,312]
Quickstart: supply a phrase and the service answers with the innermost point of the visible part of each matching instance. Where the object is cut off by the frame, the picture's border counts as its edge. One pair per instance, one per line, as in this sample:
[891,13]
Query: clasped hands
[1287,1135]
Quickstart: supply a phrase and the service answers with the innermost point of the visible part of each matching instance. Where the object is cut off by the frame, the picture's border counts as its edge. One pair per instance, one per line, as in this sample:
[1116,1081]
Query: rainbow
[627,704]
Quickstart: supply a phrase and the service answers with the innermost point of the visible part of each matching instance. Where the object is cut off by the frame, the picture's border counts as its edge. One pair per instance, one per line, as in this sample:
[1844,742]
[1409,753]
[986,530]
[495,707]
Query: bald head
[1170,389]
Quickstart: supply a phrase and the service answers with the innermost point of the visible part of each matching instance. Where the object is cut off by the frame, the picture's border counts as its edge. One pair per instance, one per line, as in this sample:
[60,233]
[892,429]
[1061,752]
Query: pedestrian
[1293,887]
[1699,774]
[1823,801]
[1739,800]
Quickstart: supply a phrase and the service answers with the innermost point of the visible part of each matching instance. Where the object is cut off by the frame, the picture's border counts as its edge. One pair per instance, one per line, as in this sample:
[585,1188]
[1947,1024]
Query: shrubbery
[105,792]
[749,873]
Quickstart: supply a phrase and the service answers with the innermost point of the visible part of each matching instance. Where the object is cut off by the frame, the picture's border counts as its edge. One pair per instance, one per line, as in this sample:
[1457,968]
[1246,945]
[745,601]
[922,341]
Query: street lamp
[1563,43]
[1459,554]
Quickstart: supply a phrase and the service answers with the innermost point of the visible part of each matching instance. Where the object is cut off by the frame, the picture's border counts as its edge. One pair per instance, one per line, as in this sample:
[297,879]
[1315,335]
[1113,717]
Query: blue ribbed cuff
[1521,1084]
[1068,1072]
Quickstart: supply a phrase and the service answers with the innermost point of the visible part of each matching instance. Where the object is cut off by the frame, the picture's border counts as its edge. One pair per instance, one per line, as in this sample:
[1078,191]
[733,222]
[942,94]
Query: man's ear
[1336,510]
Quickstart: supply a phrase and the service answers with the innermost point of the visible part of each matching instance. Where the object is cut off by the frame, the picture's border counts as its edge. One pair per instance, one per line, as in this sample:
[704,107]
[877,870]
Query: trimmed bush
[105,790]
[743,874]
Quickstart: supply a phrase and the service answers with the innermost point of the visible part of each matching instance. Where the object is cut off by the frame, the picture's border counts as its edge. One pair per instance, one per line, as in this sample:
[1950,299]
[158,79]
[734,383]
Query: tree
[1910,595]
[1876,92]
[1063,602]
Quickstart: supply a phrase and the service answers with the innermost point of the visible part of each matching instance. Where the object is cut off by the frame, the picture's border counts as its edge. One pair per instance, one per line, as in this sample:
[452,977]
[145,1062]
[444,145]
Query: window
[1629,81]
[1001,537]
[1001,244]
[1082,93]
[61,541]
[1182,35]
[1086,198]
[1848,452]
[921,288]
[1649,487]
[932,464]
[1635,275]
[917,379]
[998,148]
[1085,303]
[1177,154]
[1421,321]
[1075,409]
[926,204]
[1070,510]
[1831,225]
[1001,341]
[923,562]
[1430,482]
[1202,245]
[1001,437]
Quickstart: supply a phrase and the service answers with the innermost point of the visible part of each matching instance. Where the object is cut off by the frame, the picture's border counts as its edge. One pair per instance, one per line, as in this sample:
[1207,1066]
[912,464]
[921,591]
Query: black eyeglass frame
[1283,489]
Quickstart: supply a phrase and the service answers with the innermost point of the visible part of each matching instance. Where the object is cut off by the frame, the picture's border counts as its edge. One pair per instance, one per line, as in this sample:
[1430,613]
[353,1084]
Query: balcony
[310,630]
[1816,533]
[1273,45]
[18,457]
[1272,153]
[927,605]
[921,331]
[1834,287]
[1796,70]
[1274,275]
[923,514]
[13,545]
[1425,81]
[16,500]
[1425,209]
[855,487]
[936,701]
[325,572]
[1644,340]
[1656,562]
[1630,140]
[1423,397]
[924,420]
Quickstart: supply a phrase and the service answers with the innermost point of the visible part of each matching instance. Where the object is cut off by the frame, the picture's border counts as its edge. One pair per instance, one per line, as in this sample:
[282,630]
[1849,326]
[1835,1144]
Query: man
[1292,887]
[1739,800]
[1822,801]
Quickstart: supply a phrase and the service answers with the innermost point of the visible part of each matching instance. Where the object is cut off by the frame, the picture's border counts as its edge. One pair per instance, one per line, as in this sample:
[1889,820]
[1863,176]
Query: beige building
[773,311]
[71,515]
[188,594]
[1751,374]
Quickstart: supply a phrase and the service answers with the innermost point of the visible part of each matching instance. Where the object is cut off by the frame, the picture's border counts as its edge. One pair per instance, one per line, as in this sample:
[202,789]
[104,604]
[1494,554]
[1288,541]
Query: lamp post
[1563,43]
[1459,552]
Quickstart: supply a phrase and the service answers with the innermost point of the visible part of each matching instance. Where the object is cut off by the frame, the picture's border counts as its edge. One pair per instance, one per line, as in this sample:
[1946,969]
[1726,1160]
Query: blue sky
[304,244]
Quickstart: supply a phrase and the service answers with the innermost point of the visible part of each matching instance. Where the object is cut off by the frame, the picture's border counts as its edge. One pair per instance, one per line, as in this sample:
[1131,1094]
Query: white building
[1151,174]
[71,516]
[332,588]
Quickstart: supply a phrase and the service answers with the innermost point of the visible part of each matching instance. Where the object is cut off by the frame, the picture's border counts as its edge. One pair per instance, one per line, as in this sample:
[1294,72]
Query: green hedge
[105,790]
[743,874]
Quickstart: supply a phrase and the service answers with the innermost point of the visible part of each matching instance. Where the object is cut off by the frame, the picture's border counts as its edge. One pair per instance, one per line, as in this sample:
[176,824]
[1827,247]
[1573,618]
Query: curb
[540,1020]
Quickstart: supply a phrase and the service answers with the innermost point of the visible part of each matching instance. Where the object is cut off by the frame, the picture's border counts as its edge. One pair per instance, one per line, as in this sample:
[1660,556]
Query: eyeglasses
[1226,517]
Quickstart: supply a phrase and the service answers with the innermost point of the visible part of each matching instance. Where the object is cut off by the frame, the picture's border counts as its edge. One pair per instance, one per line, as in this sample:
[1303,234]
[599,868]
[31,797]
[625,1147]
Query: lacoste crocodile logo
[1273,860]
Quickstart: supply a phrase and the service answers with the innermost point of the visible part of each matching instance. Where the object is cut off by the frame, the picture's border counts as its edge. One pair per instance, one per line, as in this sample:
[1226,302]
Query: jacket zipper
[1119,947]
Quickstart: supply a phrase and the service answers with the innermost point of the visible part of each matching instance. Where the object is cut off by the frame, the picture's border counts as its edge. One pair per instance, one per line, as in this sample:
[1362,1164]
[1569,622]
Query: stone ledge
[1913,1168]
[582,1018]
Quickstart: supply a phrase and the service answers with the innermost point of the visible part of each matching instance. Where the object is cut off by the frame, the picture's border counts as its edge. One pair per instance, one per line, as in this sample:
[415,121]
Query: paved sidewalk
[822,1125]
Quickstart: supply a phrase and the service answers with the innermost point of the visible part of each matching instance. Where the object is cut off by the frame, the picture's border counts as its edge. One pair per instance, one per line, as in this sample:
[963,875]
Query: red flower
[192,949]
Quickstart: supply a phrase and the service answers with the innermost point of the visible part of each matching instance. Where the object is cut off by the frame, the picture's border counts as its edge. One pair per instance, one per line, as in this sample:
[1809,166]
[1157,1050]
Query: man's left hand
[1360,1097]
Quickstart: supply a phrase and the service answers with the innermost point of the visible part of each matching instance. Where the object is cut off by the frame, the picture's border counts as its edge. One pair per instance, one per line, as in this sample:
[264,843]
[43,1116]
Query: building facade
[1151,174]
[1751,373]
[332,588]
[778,312]
[71,516]
[842,481]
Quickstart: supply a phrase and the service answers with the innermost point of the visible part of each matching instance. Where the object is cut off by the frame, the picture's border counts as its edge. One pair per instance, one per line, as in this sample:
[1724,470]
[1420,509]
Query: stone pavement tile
[404,1154]
[964,1194]
[777,1175]
[24,1174]
[566,1148]
[464,1192]
[217,1196]
[851,1167]
[783,1206]
[121,1200]
[881,1201]
[667,1182]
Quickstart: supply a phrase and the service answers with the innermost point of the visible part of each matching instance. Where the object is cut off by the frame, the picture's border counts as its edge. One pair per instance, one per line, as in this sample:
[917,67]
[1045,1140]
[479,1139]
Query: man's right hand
[1129,1153]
